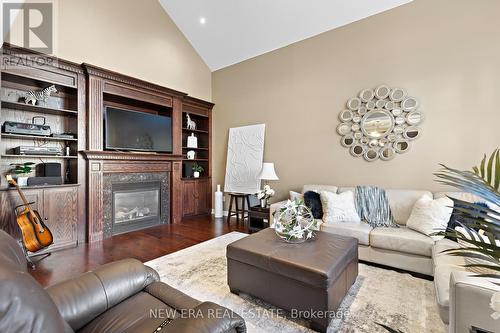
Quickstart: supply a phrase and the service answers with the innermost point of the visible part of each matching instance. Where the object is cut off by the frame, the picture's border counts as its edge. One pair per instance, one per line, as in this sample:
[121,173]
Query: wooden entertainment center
[77,210]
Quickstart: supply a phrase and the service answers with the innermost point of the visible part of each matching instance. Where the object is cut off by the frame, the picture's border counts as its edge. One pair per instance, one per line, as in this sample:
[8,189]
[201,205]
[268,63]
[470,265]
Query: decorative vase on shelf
[192,141]
[263,203]
[22,181]
[196,174]
[294,223]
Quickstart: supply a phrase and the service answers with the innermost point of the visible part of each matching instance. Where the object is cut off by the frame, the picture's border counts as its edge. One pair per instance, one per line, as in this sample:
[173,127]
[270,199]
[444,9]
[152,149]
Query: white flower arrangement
[266,193]
[294,222]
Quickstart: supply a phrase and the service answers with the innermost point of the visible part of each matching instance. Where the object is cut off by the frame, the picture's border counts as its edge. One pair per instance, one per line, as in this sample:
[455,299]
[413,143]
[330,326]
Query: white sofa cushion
[359,230]
[402,202]
[401,240]
[442,275]
[439,258]
[319,188]
[345,189]
[429,216]
[295,195]
[444,264]
[464,196]
[338,208]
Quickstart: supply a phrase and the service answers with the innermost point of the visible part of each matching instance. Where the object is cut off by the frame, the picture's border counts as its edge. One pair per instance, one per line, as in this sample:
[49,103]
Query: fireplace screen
[135,206]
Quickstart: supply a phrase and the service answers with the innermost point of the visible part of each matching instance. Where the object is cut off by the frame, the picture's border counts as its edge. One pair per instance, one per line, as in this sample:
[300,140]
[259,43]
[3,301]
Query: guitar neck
[23,198]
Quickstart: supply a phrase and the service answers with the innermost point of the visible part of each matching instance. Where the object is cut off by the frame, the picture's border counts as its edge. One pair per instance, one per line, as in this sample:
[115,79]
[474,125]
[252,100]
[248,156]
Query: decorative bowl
[294,222]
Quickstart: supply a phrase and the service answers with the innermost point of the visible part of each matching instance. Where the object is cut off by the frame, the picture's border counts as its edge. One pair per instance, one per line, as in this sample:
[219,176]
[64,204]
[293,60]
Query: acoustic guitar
[35,233]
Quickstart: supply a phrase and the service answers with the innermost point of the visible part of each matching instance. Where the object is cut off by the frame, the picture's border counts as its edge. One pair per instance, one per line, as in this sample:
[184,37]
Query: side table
[258,218]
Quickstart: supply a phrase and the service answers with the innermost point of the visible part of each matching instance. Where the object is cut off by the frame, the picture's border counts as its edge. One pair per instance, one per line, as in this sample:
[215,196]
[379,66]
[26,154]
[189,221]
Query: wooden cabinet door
[9,199]
[203,197]
[61,215]
[188,198]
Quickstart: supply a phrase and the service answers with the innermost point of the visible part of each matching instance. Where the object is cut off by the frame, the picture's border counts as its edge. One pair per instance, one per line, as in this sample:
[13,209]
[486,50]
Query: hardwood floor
[144,245]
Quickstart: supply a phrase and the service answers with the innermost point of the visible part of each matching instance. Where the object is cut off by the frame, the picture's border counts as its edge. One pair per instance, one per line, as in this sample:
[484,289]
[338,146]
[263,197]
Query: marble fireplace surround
[110,179]
[105,167]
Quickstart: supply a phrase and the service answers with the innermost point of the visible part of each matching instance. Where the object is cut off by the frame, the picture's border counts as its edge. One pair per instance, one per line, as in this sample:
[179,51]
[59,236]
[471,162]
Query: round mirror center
[377,123]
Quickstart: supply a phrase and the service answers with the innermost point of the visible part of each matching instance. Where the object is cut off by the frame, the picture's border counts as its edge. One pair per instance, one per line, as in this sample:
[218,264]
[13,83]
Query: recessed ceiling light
[203,20]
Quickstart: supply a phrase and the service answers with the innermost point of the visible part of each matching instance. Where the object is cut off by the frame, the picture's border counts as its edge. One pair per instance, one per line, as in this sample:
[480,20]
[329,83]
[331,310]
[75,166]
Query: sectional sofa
[463,300]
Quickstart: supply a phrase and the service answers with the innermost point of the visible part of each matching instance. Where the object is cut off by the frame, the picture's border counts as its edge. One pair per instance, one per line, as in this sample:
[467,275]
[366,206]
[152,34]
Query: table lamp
[267,173]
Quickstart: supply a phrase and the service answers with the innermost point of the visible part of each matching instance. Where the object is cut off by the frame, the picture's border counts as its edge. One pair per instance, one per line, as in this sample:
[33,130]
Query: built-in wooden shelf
[199,148]
[37,108]
[192,178]
[196,160]
[194,115]
[11,188]
[37,156]
[34,137]
[195,131]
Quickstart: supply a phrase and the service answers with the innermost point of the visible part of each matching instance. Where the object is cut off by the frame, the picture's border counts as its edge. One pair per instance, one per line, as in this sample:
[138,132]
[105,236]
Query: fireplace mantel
[128,156]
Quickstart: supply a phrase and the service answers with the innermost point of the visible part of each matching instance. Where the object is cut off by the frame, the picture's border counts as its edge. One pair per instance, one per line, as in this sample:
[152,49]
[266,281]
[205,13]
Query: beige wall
[132,37]
[444,52]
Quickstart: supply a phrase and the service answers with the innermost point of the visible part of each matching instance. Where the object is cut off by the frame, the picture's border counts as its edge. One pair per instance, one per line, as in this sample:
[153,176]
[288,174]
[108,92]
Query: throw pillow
[339,207]
[476,261]
[456,217]
[429,216]
[313,201]
[295,195]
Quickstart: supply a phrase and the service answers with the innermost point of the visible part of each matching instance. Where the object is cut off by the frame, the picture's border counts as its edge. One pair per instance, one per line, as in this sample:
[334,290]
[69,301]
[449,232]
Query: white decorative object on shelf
[33,96]
[190,155]
[218,203]
[192,141]
[191,124]
[245,152]
[380,123]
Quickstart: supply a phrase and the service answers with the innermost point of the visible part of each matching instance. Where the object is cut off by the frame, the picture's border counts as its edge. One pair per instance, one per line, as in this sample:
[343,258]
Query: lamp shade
[267,172]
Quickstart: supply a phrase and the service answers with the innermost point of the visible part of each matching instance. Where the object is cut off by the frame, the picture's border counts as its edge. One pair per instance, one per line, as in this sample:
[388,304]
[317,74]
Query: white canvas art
[245,152]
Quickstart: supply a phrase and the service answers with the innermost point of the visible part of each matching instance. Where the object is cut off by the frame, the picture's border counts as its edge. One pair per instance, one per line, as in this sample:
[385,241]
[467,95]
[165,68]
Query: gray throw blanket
[373,207]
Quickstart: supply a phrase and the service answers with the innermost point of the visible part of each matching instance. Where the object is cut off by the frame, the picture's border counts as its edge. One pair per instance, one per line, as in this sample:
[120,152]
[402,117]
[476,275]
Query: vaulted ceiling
[225,32]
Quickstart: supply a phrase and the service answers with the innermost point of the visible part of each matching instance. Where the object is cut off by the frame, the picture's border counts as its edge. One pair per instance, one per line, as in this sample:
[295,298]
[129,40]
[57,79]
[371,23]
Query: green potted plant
[20,169]
[197,169]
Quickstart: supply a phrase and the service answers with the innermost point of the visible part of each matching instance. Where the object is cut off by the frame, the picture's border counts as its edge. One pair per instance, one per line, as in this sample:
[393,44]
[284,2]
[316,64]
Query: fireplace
[135,206]
[133,201]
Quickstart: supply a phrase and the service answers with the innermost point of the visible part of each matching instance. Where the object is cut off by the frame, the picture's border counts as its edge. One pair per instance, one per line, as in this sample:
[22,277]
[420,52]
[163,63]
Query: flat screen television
[137,131]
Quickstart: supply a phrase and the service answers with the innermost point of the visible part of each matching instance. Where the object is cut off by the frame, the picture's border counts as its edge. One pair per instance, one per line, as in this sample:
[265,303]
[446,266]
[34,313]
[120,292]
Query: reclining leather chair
[120,297]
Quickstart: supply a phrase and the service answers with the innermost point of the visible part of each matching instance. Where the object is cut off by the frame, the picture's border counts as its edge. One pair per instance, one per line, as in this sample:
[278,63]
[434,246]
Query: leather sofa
[463,300]
[124,296]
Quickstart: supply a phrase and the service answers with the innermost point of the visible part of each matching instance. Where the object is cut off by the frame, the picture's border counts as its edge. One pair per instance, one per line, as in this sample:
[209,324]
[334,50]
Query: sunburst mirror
[380,123]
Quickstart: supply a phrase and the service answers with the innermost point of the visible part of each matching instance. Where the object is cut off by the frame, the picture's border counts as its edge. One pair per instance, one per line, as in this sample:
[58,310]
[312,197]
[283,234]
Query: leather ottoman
[309,279]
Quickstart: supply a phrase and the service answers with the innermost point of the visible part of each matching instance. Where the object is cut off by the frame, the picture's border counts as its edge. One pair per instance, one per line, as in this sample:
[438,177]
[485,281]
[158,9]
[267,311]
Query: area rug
[398,300]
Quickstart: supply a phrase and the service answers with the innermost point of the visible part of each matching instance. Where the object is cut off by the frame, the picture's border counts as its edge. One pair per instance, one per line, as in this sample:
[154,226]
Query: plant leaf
[489,170]
[492,267]
[496,184]
[483,162]
[389,329]
[493,276]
